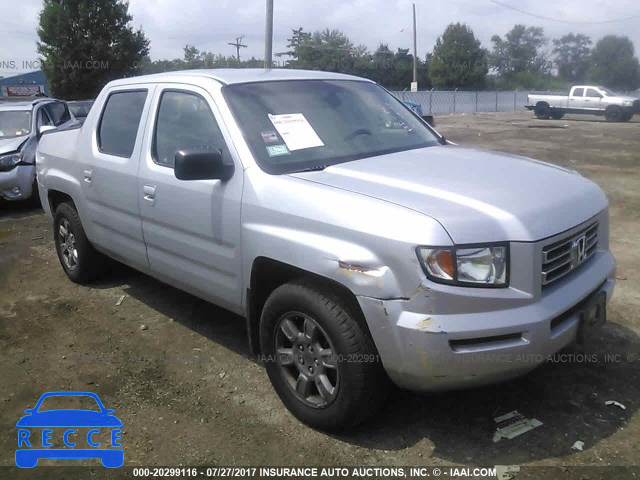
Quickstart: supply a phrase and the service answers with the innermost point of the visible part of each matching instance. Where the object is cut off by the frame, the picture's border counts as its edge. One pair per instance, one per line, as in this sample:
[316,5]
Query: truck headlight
[474,266]
[627,103]
[7,162]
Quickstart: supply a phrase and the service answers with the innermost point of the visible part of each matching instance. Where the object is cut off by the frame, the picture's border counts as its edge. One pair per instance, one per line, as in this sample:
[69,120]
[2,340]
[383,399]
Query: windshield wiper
[318,168]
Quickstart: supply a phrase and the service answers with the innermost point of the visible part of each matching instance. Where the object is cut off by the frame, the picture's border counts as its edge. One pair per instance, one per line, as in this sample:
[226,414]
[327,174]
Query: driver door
[191,228]
[592,99]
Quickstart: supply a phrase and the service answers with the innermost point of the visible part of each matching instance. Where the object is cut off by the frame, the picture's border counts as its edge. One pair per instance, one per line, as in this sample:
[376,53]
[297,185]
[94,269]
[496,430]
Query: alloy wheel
[67,241]
[307,359]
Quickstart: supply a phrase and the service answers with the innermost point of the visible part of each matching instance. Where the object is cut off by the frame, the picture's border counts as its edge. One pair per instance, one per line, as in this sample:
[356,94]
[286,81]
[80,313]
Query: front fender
[366,244]
[354,266]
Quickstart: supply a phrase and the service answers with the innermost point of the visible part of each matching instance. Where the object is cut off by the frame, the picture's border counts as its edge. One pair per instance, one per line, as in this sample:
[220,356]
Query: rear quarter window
[119,122]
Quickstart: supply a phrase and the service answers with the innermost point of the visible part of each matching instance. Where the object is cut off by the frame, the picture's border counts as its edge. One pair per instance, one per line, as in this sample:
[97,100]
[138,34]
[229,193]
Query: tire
[320,357]
[613,113]
[80,261]
[557,115]
[626,117]
[543,111]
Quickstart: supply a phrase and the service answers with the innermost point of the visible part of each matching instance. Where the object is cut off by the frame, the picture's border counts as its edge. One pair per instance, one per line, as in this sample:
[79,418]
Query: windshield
[80,109]
[66,402]
[607,92]
[311,124]
[15,123]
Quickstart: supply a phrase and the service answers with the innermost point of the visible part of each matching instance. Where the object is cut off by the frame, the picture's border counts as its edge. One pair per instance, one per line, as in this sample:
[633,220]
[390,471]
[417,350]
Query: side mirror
[201,164]
[45,128]
[429,119]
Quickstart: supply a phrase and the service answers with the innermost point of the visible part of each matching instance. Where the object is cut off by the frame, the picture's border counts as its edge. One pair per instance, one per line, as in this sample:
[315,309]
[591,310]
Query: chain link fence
[456,101]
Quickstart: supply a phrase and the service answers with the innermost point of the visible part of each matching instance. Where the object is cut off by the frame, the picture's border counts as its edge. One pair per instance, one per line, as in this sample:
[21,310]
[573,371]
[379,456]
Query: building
[26,84]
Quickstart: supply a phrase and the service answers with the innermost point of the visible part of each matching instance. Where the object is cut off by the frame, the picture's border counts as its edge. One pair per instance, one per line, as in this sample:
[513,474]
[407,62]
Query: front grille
[636,106]
[562,257]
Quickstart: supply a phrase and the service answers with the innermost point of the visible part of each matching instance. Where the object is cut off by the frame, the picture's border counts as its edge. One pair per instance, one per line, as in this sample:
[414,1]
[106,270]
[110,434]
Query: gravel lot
[179,375]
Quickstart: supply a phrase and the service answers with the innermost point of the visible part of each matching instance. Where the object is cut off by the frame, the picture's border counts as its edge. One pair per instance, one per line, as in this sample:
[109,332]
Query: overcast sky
[211,24]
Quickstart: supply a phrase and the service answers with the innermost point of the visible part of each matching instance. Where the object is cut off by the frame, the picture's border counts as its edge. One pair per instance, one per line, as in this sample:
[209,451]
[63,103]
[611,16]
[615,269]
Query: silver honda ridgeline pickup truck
[360,246]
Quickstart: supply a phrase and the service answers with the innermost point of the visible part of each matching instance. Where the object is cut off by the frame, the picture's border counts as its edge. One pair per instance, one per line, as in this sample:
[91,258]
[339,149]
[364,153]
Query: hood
[621,98]
[8,145]
[476,195]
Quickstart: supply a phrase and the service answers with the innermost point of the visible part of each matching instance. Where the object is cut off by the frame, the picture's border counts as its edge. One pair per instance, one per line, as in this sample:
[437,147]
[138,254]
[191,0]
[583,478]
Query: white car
[21,125]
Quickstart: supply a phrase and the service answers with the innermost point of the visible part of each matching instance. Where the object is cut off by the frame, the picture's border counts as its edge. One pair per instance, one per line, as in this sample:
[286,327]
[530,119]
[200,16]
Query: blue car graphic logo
[65,428]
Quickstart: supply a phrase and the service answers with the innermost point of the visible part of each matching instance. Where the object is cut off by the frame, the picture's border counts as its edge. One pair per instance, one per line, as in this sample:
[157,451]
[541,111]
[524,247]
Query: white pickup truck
[585,99]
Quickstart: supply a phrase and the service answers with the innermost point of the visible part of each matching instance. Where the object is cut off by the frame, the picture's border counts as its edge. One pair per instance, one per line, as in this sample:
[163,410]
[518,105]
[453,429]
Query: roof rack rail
[38,100]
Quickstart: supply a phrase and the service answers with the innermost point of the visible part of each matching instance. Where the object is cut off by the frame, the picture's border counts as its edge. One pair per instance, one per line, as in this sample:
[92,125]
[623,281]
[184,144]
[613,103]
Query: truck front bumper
[17,183]
[425,351]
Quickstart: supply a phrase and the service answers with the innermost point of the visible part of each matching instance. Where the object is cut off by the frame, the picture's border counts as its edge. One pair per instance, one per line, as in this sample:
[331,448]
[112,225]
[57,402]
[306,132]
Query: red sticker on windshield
[269,136]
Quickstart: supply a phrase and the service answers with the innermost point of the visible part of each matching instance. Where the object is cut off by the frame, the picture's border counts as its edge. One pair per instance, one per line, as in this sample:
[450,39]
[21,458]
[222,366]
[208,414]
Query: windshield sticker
[269,136]
[277,150]
[296,131]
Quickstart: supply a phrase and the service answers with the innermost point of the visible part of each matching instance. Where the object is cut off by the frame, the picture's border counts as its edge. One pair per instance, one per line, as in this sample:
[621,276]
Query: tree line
[72,31]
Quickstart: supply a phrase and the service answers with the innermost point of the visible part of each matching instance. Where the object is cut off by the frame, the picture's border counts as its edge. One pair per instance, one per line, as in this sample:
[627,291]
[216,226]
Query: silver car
[361,247]
[22,123]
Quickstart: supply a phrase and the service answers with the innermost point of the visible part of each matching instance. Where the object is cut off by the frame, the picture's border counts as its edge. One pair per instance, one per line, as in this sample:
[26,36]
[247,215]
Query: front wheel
[613,114]
[80,261]
[320,359]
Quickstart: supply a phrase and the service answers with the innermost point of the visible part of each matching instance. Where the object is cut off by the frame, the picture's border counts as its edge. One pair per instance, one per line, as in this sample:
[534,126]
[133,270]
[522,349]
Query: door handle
[150,193]
[87,176]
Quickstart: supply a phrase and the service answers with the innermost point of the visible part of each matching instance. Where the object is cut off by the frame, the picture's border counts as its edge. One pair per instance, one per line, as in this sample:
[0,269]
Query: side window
[184,120]
[118,126]
[43,118]
[58,112]
[593,93]
[578,92]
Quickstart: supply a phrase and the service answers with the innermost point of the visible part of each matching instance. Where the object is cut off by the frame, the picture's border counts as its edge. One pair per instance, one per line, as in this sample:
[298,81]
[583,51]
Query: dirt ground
[189,392]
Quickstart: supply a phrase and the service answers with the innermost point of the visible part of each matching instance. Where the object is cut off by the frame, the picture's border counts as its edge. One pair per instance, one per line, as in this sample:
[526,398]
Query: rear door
[191,228]
[110,174]
[576,98]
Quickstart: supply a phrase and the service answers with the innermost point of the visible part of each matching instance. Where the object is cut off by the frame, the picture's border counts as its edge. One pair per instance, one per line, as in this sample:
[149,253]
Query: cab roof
[22,104]
[231,76]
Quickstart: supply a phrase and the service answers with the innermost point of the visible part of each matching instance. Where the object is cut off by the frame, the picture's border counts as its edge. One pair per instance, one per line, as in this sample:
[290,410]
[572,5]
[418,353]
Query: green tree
[191,54]
[458,59]
[383,66]
[86,44]
[402,71]
[298,37]
[572,56]
[328,50]
[614,63]
[392,70]
[520,51]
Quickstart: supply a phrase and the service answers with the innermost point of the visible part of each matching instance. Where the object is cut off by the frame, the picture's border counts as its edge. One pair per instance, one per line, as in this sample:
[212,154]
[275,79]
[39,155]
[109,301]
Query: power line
[238,44]
[543,17]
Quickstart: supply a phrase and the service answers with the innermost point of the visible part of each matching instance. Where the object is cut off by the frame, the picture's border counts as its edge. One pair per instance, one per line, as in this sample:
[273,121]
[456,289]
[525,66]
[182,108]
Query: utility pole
[238,44]
[415,47]
[268,36]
